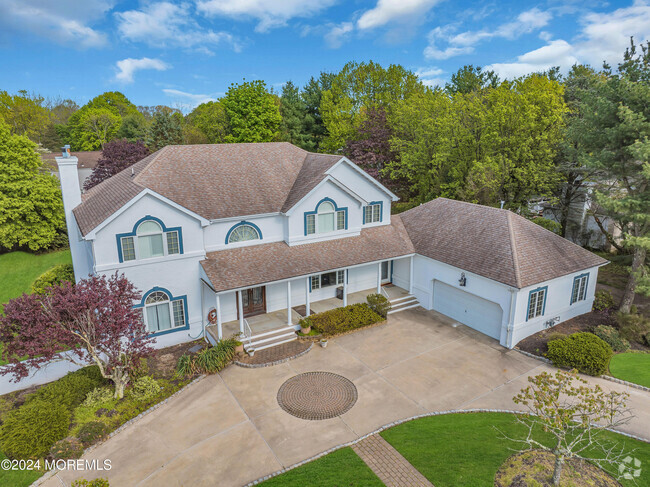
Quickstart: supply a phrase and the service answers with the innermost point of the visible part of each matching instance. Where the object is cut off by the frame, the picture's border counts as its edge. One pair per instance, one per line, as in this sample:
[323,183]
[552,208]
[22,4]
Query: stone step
[270,343]
[412,302]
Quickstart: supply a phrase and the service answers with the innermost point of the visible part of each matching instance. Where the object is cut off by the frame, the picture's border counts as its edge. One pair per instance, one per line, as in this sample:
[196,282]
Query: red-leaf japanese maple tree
[93,321]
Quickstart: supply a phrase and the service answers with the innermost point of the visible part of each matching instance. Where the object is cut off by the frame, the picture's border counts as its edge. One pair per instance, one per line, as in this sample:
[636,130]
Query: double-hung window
[579,292]
[326,219]
[327,279]
[162,313]
[536,301]
[372,213]
[150,241]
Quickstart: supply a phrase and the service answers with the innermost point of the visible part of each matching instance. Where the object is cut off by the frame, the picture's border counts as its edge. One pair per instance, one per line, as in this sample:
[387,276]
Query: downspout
[511,325]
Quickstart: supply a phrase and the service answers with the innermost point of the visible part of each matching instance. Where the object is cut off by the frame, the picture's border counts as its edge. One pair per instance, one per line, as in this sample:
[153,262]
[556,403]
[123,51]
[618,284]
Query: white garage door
[468,309]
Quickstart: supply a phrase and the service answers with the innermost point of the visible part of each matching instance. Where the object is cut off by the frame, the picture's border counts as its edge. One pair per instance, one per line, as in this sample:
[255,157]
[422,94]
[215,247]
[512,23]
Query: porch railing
[385,293]
[248,333]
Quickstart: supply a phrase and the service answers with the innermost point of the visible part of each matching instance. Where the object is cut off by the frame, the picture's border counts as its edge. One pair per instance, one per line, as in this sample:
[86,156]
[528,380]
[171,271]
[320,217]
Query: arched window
[162,313]
[327,218]
[242,233]
[150,239]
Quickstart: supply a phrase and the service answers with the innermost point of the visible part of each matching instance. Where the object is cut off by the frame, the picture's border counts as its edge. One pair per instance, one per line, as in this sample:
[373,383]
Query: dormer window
[149,238]
[327,218]
[243,232]
[373,212]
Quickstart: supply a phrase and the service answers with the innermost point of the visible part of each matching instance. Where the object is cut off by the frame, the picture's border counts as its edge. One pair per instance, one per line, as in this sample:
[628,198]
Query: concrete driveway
[228,429]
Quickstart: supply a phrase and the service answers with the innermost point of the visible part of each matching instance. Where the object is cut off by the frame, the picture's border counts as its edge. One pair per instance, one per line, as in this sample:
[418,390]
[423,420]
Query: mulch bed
[285,351]
[528,468]
[536,343]
[163,364]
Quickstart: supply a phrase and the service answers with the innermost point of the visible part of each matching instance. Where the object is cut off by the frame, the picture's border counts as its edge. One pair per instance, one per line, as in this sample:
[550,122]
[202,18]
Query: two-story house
[241,237]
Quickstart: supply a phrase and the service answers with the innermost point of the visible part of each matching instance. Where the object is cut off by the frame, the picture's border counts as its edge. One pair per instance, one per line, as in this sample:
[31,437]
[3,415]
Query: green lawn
[632,367]
[18,270]
[17,478]
[342,468]
[458,450]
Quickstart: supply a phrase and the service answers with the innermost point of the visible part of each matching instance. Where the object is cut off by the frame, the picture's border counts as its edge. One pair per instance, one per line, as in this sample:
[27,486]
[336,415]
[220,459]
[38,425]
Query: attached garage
[478,313]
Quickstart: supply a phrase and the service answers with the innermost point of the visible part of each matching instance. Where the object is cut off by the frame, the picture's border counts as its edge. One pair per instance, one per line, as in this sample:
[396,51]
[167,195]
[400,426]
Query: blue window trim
[119,236]
[530,295]
[241,223]
[391,271]
[586,274]
[336,208]
[381,210]
[171,298]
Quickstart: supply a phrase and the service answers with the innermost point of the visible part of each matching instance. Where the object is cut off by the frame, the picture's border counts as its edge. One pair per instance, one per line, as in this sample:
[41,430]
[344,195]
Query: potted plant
[239,347]
[305,326]
[251,352]
[323,342]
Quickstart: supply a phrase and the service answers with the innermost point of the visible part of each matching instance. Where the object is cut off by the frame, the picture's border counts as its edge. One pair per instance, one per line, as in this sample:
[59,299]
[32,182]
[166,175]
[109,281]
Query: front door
[254,301]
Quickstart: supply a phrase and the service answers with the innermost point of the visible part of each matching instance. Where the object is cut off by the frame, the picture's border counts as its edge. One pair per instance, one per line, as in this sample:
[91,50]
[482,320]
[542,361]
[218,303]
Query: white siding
[271,227]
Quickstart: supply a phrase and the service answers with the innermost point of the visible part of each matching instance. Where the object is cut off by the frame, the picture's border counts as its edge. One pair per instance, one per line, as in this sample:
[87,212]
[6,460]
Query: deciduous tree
[94,321]
[210,119]
[253,113]
[116,156]
[31,209]
[564,406]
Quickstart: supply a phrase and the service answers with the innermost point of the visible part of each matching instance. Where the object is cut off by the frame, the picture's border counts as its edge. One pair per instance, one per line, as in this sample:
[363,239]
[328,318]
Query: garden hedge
[53,277]
[582,351]
[340,320]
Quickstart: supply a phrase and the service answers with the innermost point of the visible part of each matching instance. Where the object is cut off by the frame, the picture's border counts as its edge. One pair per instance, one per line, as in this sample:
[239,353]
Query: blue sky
[183,53]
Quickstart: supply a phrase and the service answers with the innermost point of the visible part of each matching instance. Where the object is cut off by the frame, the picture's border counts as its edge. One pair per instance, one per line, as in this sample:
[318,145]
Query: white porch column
[240,307]
[411,276]
[379,278]
[289,303]
[307,296]
[345,287]
[219,332]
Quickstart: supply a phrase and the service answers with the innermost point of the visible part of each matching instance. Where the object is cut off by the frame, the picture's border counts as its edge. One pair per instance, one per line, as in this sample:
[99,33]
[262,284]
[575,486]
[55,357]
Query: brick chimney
[71,192]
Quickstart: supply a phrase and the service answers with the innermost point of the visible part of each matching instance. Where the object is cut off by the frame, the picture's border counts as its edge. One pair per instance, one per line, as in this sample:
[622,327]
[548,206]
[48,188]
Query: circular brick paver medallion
[317,395]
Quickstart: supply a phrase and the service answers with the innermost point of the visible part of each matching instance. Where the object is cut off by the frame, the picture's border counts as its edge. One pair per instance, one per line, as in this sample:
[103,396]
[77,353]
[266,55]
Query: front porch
[266,324]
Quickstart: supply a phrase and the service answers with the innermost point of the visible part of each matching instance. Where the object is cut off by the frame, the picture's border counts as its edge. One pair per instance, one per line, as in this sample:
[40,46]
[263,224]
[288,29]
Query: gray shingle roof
[213,180]
[493,243]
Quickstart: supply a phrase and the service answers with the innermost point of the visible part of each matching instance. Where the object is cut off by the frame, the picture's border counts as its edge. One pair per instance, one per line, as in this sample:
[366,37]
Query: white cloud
[394,10]
[63,21]
[336,34]
[430,76]
[187,100]
[269,13]
[603,37]
[465,42]
[166,24]
[128,67]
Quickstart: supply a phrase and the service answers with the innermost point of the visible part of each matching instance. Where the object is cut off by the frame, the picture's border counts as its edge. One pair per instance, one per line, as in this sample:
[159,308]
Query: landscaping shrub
[69,391]
[209,360]
[98,395]
[379,304]
[144,388]
[603,300]
[92,432]
[66,448]
[633,327]
[646,339]
[32,429]
[53,277]
[343,319]
[100,482]
[583,351]
[610,335]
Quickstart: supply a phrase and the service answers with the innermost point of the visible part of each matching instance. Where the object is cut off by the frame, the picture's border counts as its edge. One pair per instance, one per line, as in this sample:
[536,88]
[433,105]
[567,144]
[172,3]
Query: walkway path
[392,468]
[228,429]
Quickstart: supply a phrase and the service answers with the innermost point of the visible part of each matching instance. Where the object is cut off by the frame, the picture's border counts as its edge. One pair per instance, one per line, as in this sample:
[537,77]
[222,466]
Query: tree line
[479,138]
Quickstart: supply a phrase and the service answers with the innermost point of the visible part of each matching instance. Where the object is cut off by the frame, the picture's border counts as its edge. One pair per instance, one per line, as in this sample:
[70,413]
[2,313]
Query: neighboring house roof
[258,264]
[494,243]
[213,180]
[87,159]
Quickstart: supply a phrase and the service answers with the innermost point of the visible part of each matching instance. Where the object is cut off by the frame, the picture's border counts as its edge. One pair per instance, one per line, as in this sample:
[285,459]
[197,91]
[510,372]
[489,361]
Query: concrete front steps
[270,339]
[402,303]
